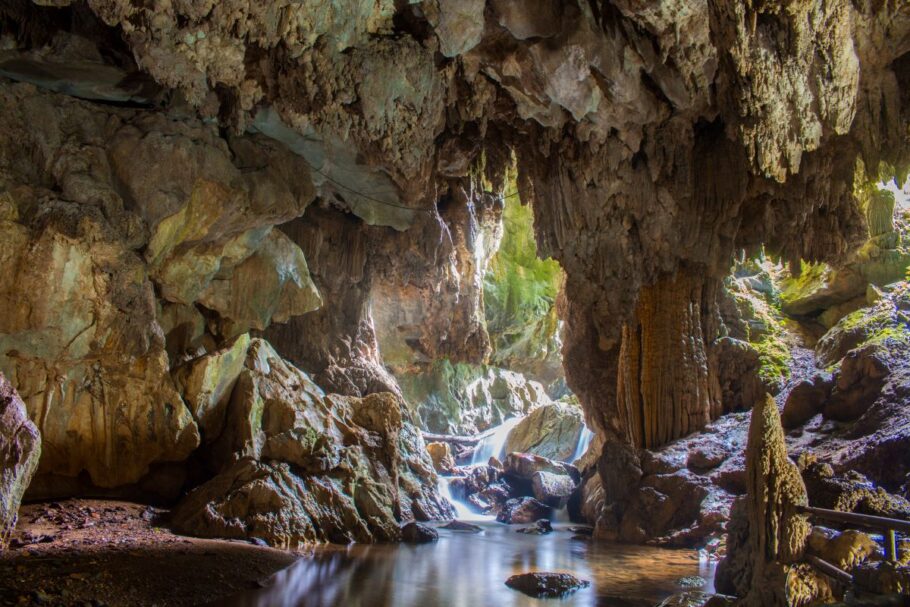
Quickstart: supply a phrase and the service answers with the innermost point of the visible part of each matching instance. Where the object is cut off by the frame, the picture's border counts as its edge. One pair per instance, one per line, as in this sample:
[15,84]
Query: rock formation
[174,175]
[293,465]
[767,534]
[20,448]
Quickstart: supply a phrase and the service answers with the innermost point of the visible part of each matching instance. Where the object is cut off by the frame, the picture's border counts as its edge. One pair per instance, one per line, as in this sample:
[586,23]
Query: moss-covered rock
[520,292]
[755,292]
[458,398]
[887,320]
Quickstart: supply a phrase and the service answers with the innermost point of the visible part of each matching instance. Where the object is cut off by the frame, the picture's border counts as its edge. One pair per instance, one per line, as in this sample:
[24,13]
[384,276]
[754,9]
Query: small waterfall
[584,441]
[462,511]
[493,442]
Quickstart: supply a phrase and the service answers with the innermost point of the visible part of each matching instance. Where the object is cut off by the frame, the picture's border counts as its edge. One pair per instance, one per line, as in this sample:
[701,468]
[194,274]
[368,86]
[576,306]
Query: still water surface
[469,570]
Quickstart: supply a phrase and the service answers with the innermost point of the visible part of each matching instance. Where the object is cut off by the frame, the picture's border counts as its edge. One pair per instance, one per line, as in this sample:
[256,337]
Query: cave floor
[102,552]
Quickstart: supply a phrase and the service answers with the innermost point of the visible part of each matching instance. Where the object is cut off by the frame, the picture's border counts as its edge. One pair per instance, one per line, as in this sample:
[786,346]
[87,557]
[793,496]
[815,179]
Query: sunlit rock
[551,431]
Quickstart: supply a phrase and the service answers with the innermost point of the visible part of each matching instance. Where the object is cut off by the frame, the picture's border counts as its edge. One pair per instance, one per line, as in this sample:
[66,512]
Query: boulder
[851,492]
[524,465]
[552,431]
[806,400]
[296,465]
[545,585]
[20,448]
[476,479]
[859,381]
[552,489]
[884,578]
[441,454]
[522,510]
[415,533]
[706,457]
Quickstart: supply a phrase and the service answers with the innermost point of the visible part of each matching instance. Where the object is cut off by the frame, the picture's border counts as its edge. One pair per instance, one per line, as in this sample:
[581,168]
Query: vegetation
[520,292]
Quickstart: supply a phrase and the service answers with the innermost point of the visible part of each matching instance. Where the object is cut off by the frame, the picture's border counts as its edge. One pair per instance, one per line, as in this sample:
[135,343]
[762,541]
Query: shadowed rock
[546,585]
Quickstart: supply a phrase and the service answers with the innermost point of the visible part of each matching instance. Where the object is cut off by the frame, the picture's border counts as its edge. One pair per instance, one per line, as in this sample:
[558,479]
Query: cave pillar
[665,387]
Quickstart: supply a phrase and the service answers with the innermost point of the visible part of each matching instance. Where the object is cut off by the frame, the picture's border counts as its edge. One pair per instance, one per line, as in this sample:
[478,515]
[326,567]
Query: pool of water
[469,570]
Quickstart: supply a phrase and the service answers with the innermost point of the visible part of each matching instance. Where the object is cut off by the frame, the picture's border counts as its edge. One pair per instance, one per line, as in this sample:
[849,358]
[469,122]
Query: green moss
[759,308]
[775,358]
[811,278]
[520,290]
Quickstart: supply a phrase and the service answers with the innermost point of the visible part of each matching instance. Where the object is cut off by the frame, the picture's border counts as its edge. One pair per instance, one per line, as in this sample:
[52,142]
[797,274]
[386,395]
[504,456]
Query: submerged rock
[546,585]
[457,525]
[541,527]
[691,598]
[415,533]
[20,448]
[522,510]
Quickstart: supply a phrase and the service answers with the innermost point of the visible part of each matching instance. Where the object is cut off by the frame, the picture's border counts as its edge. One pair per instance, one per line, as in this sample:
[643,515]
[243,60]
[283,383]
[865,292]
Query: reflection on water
[469,570]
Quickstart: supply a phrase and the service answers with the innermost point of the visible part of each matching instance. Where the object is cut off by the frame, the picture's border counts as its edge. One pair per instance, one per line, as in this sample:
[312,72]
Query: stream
[469,570]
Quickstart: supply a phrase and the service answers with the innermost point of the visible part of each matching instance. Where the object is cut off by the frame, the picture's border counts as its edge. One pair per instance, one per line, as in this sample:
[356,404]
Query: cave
[455,302]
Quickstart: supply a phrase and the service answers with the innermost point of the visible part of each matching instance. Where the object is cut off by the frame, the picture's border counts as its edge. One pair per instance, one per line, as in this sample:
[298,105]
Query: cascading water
[584,441]
[462,512]
[493,442]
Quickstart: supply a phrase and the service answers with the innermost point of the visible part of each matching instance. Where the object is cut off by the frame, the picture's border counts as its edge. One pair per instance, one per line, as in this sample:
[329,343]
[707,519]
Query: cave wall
[648,137]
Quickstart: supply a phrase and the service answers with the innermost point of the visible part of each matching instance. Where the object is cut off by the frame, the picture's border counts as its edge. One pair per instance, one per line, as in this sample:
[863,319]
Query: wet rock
[692,598]
[524,465]
[415,533]
[550,431]
[540,527]
[462,526]
[546,585]
[496,495]
[475,480]
[522,510]
[441,454]
[20,449]
[552,489]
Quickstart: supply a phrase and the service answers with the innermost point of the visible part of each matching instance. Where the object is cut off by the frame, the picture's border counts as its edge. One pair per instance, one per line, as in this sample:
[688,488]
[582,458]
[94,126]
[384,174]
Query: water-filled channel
[469,570]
